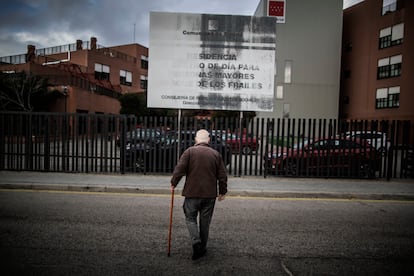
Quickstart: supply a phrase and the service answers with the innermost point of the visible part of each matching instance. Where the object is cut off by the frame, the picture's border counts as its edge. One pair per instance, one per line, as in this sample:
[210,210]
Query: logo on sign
[276,8]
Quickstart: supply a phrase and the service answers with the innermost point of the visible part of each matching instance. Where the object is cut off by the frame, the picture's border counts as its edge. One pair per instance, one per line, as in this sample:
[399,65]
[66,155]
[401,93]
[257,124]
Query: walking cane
[171,215]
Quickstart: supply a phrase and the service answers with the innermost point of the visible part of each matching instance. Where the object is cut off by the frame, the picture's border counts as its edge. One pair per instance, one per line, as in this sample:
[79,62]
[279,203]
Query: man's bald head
[202,136]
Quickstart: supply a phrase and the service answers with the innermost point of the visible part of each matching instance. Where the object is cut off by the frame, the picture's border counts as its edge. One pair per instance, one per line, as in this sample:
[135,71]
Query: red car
[325,157]
[247,143]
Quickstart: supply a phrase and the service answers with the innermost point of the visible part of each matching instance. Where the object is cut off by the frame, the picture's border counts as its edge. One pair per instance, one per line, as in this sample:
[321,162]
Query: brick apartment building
[91,78]
[378,61]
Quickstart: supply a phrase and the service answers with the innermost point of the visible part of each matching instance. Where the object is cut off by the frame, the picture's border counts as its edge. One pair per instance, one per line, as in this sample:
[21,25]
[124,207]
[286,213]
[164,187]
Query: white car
[377,139]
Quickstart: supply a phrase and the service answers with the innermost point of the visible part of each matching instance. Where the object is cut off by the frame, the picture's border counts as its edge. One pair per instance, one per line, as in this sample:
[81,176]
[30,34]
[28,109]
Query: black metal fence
[97,143]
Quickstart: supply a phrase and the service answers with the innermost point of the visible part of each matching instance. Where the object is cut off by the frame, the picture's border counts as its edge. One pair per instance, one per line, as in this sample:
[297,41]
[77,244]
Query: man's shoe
[198,251]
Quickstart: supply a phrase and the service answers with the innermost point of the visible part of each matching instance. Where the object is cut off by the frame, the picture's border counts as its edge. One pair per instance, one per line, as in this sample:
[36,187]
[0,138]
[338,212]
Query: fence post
[391,154]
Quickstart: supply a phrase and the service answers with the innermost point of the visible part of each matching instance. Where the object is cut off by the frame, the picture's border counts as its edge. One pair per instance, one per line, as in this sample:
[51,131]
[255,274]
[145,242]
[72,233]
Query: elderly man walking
[204,169]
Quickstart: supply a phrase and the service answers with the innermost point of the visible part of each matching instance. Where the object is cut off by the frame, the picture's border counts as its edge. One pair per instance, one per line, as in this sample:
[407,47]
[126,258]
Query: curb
[81,188]
[235,193]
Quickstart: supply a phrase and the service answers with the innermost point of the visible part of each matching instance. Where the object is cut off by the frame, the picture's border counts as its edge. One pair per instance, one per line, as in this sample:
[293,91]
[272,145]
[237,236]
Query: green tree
[232,114]
[136,104]
[133,103]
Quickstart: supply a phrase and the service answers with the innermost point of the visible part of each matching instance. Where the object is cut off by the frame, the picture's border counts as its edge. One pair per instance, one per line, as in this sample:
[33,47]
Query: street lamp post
[65,93]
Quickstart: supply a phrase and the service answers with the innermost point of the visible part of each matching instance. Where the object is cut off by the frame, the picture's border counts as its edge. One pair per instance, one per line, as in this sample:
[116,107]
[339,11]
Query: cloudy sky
[47,23]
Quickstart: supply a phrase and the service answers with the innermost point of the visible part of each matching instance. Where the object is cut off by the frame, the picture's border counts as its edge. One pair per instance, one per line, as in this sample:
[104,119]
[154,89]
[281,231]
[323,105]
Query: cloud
[47,23]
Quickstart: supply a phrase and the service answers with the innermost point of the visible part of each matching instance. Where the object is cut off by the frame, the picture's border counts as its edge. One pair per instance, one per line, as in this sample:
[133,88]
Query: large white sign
[205,61]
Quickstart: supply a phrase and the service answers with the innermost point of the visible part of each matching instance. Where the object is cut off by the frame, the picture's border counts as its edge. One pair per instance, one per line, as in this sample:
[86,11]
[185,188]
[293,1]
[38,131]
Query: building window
[391,36]
[286,110]
[388,97]
[102,72]
[279,92]
[347,74]
[389,67]
[288,71]
[125,77]
[144,62]
[144,82]
[389,6]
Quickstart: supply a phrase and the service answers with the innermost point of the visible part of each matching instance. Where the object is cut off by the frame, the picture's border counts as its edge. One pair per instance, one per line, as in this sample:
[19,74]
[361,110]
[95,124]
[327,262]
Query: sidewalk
[400,189]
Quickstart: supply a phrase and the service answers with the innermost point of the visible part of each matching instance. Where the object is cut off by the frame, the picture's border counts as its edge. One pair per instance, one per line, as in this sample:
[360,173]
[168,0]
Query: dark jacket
[204,168]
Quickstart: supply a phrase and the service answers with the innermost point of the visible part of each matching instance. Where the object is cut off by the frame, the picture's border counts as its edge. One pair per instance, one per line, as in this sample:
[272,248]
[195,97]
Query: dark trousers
[202,208]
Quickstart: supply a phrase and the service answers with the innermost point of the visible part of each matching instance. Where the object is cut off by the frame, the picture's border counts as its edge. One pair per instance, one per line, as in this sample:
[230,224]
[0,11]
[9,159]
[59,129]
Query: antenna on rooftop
[134,32]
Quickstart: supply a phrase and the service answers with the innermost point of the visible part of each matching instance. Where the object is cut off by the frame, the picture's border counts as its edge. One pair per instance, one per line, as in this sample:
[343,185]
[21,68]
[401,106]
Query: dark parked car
[325,157]
[142,134]
[216,142]
[160,153]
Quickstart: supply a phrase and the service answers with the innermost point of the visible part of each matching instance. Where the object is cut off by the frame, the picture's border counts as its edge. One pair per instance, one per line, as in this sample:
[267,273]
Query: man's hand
[221,197]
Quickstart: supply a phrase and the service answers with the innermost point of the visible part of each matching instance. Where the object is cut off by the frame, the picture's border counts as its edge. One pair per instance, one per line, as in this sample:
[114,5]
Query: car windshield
[149,135]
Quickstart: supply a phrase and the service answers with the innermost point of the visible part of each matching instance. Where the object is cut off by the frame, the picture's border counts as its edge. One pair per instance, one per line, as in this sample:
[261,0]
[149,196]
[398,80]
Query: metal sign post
[179,134]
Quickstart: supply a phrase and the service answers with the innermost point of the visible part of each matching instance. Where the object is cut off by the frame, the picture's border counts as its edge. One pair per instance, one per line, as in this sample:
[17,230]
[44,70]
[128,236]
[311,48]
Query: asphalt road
[75,233]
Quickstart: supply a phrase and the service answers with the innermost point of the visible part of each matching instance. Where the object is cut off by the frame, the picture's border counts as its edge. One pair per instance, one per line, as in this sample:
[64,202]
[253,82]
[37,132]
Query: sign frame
[211,61]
